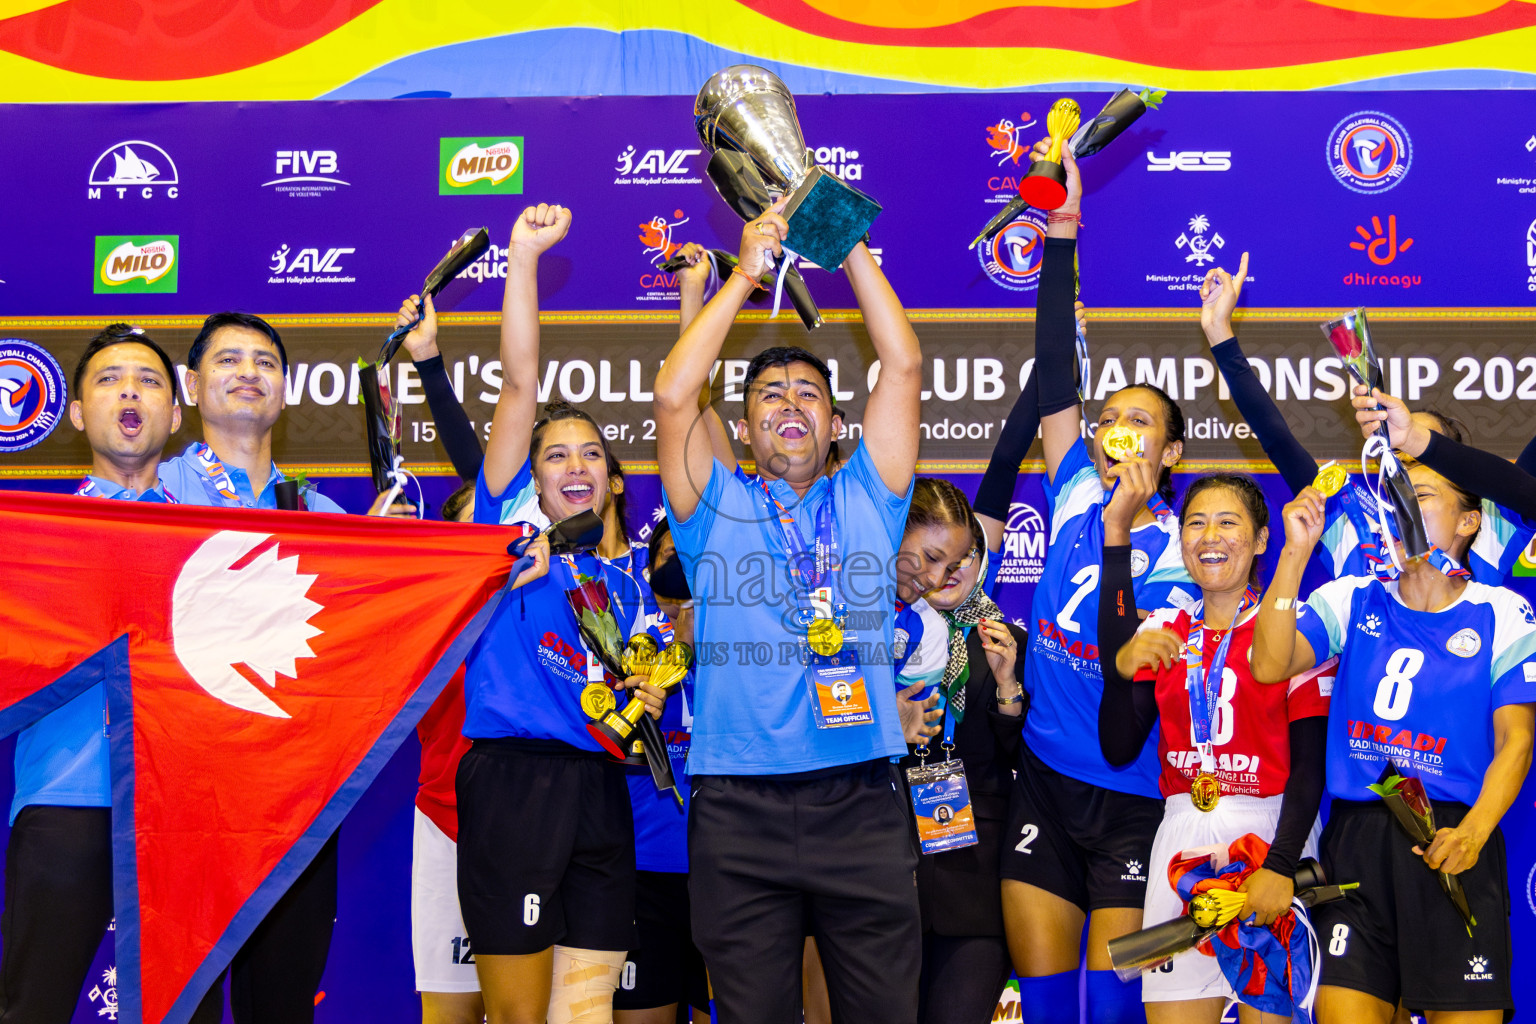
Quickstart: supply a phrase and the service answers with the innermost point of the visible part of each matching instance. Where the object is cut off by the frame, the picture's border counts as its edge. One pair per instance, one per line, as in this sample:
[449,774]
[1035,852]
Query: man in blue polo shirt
[797,820]
[58,864]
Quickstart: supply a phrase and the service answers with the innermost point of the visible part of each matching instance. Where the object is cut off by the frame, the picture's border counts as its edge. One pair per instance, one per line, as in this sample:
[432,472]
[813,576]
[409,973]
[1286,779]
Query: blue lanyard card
[839,697]
[941,802]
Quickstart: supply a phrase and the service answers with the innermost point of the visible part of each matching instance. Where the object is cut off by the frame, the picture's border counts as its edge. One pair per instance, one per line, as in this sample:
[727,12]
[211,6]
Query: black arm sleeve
[995,494]
[453,426]
[1128,708]
[1294,462]
[1056,326]
[1481,473]
[1303,795]
[1527,459]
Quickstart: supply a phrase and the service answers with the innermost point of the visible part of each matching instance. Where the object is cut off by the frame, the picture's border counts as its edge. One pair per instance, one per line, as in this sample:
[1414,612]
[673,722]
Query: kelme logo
[481,167]
[136,265]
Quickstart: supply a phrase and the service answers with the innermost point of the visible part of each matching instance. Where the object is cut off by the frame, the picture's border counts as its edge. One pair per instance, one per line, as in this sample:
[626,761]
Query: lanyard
[88,488]
[826,563]
[1205,687]
[1155,504]
[1372,537]
[214,471]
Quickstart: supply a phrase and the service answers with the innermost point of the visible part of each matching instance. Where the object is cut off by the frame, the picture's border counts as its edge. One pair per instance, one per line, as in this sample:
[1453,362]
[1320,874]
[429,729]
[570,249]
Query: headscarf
[977,605]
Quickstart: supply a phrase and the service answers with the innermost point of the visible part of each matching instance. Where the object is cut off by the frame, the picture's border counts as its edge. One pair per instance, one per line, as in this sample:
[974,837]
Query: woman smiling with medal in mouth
[1237,756]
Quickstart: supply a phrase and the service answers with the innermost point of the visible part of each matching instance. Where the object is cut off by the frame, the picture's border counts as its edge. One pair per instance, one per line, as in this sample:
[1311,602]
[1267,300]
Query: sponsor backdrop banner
[1382,198]
[314,210]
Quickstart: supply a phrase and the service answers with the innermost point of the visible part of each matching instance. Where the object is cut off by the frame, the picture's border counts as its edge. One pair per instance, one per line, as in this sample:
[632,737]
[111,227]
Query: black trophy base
[613,732]
[827,219]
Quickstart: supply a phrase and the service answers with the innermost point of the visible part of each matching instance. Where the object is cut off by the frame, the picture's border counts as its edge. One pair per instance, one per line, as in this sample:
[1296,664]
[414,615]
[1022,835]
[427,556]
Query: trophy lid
[750,110]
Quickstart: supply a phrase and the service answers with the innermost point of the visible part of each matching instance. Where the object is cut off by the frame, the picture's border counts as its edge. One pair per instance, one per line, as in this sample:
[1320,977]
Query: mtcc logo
[136,168]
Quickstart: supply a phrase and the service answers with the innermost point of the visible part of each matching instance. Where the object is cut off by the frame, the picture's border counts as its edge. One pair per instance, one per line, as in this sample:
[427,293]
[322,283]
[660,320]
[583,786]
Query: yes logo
[480,167]
[132,265]
[1190,161]
[1381,246]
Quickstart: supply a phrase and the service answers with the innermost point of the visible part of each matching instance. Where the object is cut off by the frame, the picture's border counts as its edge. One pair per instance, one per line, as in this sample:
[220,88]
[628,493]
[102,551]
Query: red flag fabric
[260,669]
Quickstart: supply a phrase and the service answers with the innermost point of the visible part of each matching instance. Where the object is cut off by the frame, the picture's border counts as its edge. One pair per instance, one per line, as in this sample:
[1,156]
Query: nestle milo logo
[478,167]
[136,264]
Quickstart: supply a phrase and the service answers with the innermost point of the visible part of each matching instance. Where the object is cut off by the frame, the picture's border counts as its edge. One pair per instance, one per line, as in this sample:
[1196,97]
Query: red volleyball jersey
[1250,728]
[441,731]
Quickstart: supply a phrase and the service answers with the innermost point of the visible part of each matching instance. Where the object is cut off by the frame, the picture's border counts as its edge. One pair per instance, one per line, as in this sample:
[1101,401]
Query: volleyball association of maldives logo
[480,167]
[1012,257]
[1369,152]
[32,394]
[137,264]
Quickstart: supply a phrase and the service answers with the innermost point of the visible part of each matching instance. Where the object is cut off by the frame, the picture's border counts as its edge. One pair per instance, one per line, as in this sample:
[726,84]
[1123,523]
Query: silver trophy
[748,110]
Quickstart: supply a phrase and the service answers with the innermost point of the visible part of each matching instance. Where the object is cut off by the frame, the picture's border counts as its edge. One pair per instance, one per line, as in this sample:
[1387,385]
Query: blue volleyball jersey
[1418,687]
[920,652]
[524,676]
[1503,535]
[1061,672]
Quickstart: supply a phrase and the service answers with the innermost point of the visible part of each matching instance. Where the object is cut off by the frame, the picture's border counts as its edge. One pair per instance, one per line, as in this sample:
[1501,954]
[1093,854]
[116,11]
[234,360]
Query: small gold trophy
[668,668]
[1045,186]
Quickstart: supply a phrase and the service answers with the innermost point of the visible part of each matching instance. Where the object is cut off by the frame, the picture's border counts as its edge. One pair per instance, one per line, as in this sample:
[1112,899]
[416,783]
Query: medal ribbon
[1350,499]
[826,564]
[1205,687]
[216,473]
[88,488]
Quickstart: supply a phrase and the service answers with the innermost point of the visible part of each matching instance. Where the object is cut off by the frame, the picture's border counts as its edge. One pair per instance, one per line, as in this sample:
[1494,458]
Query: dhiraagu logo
[136,265]
[480,167]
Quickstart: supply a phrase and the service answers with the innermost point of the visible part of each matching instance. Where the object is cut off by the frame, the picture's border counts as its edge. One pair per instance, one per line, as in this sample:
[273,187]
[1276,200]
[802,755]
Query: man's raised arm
[535,230]
[896,401]
[682,443]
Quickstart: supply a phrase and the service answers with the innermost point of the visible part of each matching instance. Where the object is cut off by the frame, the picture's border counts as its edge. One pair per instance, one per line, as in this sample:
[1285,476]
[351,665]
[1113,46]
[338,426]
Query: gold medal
[1331,479]
[825,636]
[597,700]
[1205,791]
[1121,443]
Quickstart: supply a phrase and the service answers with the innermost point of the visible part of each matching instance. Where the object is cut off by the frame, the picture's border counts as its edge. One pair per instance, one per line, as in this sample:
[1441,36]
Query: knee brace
[583,985]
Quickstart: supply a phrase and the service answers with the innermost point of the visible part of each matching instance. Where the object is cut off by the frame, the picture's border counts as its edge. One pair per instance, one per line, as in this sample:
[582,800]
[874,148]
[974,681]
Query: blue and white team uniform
[1419,690]
[1082,828]
[198,477]
[546,841]
[1503,535]
[796,821]
[920,648]
[58,880]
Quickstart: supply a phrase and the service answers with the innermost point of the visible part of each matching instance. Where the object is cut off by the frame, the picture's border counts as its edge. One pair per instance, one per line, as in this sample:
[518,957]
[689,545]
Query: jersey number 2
[1087,579]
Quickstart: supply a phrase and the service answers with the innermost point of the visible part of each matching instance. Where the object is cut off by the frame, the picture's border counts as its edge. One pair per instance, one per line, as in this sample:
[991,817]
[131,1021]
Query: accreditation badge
[941,803]
[839,697]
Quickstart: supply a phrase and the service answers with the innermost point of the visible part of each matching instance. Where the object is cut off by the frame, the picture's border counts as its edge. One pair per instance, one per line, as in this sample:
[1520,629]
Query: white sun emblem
[255,616]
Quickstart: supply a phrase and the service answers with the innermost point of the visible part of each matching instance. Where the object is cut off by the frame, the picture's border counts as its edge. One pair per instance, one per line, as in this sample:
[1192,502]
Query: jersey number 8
[1396,687]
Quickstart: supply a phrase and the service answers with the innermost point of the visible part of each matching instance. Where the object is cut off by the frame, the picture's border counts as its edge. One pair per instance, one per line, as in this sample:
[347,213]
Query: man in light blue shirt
[58,878]
[236,377]
[797,819]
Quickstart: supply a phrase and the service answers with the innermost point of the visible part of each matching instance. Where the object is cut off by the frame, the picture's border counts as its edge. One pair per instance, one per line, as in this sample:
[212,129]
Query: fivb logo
[135,265]
[137,167]
[480,167]
[655,167]
[304,173]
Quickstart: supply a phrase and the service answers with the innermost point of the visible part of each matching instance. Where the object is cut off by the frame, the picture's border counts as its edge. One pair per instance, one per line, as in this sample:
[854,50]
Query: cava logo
[481,167]
[134,168]
[136,265]
[256,616]
[306,173]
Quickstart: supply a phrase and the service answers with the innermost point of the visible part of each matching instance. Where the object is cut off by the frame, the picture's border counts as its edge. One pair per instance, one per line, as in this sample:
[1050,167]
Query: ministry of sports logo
[33,393]
[133,168]
[105,993]
[136,265]
[1012,258]
[480,167]
[1198,242]
[1369,152]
